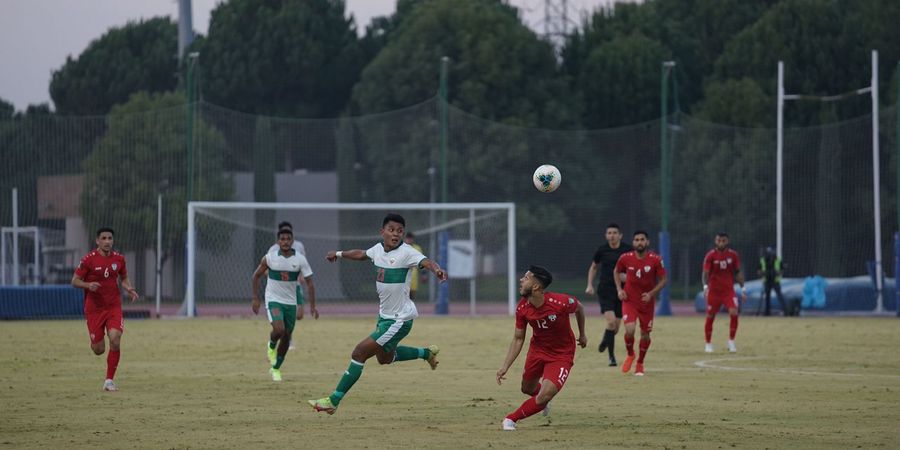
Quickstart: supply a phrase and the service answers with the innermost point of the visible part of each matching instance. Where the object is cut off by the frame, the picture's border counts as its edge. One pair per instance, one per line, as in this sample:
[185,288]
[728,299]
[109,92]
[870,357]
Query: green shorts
[389,332]
[284,313]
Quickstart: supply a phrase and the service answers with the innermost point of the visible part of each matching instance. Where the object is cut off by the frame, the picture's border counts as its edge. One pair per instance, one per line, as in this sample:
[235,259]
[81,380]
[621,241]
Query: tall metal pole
[876,185]
[445,62]
[15,237]
[897,234]
[664,307]
[185,27]
[158,252]
[442,303]
[192,59]
[779,165]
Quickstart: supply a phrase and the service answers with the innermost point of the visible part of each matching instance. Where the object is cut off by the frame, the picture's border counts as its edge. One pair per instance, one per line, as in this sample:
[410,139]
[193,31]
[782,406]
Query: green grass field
[796,383]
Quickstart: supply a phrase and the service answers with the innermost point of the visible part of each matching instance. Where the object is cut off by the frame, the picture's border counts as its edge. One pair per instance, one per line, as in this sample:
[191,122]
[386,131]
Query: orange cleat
[626,366]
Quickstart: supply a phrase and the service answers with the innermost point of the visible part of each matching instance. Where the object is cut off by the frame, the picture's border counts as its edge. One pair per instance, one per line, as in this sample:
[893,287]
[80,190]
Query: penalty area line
[717,364]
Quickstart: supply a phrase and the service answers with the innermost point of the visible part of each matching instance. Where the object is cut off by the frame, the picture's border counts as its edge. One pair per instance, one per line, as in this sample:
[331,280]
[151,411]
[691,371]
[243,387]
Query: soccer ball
[547,178]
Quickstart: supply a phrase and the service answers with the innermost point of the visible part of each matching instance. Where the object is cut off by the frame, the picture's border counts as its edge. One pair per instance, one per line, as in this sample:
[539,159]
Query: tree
[141,56]
[146,141]
[289,58]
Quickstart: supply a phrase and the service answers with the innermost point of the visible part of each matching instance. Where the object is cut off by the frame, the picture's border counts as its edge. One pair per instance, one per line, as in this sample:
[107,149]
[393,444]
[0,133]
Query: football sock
[279,360]
[732,329]
[347,380]
[708,328]
[112,362]
[529,408]
[629,344]
[611,343]
[608,336]
[272,344]
[643,346]
[407,353]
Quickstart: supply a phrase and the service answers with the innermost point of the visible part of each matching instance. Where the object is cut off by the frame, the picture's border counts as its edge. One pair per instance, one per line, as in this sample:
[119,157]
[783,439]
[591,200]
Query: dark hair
[285,224]
[646,235]
[613,225]
[285,231]
[410,234]
[542,275]
[722,234]
[105,229]
[391,217]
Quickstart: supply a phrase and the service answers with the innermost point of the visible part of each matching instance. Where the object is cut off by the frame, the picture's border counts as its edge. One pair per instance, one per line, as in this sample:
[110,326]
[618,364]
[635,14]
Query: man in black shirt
[605,259]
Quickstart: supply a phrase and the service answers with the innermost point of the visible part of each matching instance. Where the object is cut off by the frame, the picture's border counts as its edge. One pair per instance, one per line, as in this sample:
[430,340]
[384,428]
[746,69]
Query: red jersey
[552,337]
[720,267]
[105,270]
[642,274]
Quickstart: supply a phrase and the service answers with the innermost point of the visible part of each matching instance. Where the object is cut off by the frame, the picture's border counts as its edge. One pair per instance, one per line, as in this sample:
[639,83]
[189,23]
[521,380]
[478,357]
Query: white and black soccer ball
[547,178]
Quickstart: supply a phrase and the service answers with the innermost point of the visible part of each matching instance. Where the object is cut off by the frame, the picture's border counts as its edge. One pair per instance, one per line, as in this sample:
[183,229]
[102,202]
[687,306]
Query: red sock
[708,328]
[732,330]
[529,408]
[644,345]
[629,344]
[112,362]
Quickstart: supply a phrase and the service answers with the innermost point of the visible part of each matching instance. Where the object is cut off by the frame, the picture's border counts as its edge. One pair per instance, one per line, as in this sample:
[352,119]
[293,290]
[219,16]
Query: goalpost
[474,242]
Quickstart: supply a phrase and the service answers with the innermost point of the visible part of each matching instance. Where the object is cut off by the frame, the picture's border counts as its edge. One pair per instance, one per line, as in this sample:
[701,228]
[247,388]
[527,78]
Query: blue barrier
[41,302]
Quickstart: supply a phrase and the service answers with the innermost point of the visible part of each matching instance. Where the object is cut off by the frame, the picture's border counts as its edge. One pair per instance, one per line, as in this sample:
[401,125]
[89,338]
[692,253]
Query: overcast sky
[36,36]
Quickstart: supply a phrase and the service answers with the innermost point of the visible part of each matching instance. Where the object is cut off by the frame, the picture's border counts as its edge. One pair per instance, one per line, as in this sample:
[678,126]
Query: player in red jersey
[721,267]
[645,276]
[551,353]
[99,273]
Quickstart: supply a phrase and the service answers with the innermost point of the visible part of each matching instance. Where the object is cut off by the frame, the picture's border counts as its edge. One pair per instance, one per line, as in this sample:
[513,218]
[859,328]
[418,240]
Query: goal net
[474,242]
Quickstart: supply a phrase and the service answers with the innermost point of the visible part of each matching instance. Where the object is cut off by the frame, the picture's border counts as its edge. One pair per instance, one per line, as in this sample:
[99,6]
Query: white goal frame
[190,301]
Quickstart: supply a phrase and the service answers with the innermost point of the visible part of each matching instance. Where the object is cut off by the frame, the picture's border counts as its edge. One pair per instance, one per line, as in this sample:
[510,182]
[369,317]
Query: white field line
[717,365]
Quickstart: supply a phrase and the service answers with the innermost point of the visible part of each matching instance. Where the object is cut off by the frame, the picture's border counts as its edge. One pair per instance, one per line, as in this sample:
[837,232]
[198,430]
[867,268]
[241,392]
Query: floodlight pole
[159,205]
[665,308]
[876,186]
[779,166]
[15,237]
[189,135]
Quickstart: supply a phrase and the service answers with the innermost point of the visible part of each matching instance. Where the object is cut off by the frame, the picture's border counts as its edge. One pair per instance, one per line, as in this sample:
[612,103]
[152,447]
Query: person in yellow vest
[410,239]
[770,269]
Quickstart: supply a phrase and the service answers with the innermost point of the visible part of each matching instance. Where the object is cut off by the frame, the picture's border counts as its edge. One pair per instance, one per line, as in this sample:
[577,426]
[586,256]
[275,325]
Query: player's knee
[98,349]
[385,359]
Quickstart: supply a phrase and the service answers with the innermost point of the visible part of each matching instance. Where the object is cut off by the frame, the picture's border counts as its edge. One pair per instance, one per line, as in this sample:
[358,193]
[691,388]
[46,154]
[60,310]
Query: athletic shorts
[389,332]
[102,320]
[632,313]
[555,371]
[609,301]
[285,313]
[714,303]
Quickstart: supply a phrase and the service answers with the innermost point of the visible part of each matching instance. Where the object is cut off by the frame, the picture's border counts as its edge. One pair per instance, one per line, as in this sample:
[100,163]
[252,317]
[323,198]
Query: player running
[284,266]
[605,259]
[99,274]
[645,277]
[393,260]
[551,353]
[721,267]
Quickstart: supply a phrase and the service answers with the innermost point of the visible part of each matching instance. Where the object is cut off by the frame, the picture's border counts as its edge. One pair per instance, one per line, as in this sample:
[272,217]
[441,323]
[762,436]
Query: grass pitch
[795,383]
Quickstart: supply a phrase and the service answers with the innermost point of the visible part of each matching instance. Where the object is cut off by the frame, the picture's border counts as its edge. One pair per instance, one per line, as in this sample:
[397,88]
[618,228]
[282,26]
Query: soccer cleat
[612,361]
[291,346]
[509,425]
[109,385]
[270,352]
[709,348]
[626,366]
[276,374]
[433,351]
[731,347]
[546,411]
[639,370]
[323,405]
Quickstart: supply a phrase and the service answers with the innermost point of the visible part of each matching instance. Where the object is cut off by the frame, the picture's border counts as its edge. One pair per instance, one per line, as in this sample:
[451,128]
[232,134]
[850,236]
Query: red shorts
[631,313]
[101,320]
[714,303]
[555,371]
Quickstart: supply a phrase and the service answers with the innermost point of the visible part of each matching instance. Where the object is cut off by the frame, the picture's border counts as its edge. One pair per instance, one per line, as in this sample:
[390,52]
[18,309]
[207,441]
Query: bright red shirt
[642,274]
[552,337]
[721,267]
[105,270]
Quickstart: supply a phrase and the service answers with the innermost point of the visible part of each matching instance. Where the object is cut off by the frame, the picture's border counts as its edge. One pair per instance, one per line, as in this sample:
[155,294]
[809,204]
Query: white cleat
[109,385]
[546,411]
[509,425]
[709,348]
[731,347]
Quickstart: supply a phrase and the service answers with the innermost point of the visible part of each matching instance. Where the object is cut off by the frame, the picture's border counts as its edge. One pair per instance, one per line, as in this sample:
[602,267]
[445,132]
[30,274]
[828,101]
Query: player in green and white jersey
[301,249]
[284,267]
[392,259]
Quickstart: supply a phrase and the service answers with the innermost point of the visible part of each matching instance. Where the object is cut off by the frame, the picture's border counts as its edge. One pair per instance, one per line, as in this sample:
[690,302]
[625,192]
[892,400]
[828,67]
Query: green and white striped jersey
[284,273]
[392,278]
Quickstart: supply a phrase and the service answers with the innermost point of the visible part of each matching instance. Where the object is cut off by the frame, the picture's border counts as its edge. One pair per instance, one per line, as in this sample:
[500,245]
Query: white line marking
[712,364]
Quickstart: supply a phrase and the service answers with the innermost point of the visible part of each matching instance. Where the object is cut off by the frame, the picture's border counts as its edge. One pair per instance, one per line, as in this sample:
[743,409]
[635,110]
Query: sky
[36,36]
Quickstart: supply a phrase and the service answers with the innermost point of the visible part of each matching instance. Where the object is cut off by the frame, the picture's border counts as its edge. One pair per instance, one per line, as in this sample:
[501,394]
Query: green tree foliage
[280,57]
[143,155]
[140,56]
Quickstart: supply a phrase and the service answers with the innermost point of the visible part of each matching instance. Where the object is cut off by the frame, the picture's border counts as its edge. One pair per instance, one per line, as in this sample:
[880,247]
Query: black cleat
[612,361]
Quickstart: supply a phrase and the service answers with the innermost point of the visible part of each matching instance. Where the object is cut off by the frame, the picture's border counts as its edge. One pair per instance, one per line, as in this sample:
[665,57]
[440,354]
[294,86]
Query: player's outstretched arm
[311,293]
[355,255]
[129,288]
[592,272]
[579,319]
[257,274]
[515,347]
[435,268]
